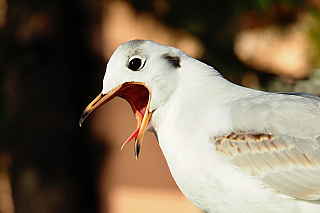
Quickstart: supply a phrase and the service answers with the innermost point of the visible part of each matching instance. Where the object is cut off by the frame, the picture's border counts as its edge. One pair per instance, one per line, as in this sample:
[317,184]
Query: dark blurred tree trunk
[48,67]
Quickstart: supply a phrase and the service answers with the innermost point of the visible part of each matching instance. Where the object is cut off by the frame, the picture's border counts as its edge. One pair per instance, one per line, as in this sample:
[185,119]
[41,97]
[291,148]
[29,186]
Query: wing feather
[289,165]
[276,137]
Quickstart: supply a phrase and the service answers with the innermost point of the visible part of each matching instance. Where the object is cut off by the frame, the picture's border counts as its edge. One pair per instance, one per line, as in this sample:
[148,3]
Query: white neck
[189,154]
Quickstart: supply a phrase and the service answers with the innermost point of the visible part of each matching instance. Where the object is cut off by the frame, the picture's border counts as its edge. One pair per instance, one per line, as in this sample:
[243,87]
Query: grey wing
[302,94]
[281,161]
[278,141]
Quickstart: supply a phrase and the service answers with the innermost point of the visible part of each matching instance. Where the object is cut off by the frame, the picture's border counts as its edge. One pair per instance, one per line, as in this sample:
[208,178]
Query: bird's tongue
[133,135]
[137,96]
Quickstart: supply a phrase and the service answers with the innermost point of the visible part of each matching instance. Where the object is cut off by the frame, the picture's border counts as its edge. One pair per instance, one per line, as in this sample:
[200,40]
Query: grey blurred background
[52,61]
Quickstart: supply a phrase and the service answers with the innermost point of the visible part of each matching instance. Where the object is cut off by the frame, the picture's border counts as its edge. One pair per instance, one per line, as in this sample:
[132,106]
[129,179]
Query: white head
[144,73]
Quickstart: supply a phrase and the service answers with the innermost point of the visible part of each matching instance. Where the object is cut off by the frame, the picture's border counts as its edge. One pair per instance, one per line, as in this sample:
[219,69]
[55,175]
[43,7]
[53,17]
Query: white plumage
[229,148]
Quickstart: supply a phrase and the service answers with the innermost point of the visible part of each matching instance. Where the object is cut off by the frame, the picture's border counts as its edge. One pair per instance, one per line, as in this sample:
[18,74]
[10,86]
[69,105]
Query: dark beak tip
[83,117]
[98,101]
[137,151]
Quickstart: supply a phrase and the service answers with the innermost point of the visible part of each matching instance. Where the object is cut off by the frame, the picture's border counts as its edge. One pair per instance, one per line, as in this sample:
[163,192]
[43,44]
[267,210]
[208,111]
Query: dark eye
[136,63]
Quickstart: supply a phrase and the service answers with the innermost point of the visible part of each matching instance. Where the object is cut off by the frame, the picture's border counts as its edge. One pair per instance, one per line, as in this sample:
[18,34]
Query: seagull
[228,148]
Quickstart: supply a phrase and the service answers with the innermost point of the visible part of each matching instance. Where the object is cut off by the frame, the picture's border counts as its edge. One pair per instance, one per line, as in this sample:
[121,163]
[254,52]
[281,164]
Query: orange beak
[138,96]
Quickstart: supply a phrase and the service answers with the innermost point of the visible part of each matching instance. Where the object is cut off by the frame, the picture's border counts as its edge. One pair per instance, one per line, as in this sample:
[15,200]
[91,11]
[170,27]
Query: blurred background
[52,60]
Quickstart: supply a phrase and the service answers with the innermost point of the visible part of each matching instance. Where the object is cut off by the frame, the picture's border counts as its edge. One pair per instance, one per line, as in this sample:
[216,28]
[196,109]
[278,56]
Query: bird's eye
[136,63]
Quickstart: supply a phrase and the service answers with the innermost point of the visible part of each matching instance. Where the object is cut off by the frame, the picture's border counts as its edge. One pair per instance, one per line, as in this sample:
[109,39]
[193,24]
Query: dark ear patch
[173,60]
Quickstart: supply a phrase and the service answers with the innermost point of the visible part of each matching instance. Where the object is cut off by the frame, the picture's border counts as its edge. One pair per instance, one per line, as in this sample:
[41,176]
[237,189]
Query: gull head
[145,74]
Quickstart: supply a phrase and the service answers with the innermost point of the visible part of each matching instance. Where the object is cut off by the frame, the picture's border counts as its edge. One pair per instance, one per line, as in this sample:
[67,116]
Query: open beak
[138,96]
